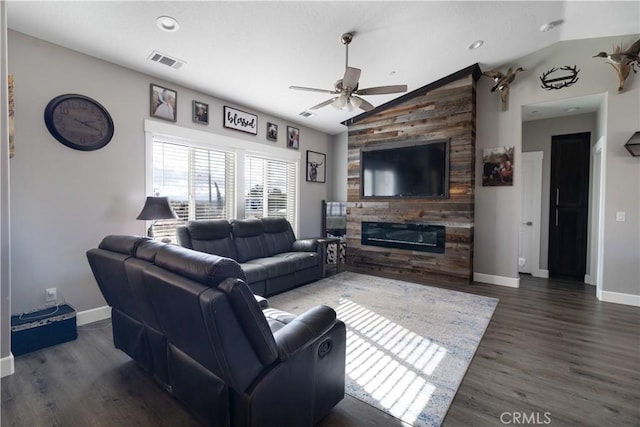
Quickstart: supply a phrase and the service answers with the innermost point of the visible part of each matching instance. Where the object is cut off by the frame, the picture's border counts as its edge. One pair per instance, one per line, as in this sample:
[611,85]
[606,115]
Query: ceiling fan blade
[364,105]
[322,104]
[311,89]
[351,77]
[381,90]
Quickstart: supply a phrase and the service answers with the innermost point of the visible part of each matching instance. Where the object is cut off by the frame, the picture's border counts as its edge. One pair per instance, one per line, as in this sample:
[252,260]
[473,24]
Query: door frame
[536,158]
[596,248]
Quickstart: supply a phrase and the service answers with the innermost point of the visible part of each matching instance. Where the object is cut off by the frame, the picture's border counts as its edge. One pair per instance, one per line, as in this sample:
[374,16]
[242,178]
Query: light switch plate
[621,216]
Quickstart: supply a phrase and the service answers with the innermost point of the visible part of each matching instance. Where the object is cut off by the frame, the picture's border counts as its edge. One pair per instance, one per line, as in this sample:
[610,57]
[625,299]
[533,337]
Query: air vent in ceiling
[166,60]
[307,114]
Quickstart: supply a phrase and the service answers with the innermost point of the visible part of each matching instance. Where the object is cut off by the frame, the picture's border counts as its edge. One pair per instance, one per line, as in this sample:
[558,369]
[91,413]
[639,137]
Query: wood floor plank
[551,348]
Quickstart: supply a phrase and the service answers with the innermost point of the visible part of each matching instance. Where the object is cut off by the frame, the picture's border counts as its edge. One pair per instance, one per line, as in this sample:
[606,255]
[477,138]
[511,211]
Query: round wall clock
[78,122]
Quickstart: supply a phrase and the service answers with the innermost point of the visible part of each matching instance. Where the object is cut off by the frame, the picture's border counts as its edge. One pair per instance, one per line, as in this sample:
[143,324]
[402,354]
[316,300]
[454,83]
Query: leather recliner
[231,362]
[267,250]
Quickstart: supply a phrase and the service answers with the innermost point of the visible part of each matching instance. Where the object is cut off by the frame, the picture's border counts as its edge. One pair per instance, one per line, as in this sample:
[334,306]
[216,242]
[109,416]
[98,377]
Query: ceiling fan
[347,87]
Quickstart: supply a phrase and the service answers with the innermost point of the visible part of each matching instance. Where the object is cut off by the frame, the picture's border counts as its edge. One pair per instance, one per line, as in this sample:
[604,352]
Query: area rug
[408,345]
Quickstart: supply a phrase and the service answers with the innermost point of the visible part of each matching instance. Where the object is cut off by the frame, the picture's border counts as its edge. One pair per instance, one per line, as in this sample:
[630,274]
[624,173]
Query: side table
[324,243]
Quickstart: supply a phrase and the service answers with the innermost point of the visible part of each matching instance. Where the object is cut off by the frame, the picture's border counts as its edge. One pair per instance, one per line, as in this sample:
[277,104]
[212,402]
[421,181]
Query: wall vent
[161,58]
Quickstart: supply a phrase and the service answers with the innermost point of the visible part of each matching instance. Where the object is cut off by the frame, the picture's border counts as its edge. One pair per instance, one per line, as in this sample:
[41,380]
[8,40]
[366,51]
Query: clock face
[78,122]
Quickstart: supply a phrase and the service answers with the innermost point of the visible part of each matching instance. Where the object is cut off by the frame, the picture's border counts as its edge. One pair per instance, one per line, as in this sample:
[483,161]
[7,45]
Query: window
[198,181]
[270,188]
[211,176]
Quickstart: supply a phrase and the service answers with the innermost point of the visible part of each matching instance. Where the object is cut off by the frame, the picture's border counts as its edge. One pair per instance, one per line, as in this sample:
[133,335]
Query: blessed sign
[240,120]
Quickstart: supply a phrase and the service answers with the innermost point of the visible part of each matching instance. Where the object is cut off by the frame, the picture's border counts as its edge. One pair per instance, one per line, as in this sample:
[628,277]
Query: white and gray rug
[408,345]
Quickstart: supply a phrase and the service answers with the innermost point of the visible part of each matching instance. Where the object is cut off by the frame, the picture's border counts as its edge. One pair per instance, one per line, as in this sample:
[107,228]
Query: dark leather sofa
[271,257]
[189,319]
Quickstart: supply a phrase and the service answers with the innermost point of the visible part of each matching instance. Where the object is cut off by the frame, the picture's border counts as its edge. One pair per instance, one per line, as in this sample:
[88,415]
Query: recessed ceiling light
[572,109]
[550,25]
[475,45]
[167,23]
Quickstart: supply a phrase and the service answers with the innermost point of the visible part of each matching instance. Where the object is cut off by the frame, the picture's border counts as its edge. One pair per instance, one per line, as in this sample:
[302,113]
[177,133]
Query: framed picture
[163,103]
[316,166]
[293,137]
[497,166]
[200,112]
[272,131]
[240,120]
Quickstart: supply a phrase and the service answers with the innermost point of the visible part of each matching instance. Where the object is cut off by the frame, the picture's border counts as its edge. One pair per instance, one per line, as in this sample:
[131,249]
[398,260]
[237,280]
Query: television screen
[417,170]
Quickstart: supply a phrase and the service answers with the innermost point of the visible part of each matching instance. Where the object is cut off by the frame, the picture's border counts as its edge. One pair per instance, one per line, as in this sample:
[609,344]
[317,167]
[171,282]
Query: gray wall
[64,201]
[5,267]
[536,136]
[497,209]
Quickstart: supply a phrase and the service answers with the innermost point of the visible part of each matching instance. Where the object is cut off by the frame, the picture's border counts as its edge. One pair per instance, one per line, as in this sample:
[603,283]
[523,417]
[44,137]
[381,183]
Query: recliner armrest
[262,301]
[305,245]
[303,330]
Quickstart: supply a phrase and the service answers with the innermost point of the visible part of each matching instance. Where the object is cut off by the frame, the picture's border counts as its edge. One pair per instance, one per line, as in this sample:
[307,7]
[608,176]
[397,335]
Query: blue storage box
[43,328]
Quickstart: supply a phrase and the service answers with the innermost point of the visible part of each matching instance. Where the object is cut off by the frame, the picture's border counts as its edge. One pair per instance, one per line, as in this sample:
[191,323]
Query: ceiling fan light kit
[347,87]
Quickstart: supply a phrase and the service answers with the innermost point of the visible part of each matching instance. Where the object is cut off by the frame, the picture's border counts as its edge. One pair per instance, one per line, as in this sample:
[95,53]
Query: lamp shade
[157,208]
[633,145]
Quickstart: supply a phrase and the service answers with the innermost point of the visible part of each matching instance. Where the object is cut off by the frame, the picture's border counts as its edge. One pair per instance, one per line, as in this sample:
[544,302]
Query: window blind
[270,188]
[199,183]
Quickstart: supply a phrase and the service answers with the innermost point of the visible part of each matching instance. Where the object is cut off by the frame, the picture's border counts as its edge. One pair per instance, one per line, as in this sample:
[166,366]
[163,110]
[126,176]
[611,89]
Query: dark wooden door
[569,205]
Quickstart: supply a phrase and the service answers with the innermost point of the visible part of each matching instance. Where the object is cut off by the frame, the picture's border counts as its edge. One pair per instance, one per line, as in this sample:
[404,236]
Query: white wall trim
[541,273]
[7,366]
[597,251]
[93,315]
[535,158]
[588,280]
[619,298]
[496,280]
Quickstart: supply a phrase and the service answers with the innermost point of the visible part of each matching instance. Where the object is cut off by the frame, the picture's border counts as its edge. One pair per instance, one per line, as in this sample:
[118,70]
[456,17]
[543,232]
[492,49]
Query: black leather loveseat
[189,319]
[271,257]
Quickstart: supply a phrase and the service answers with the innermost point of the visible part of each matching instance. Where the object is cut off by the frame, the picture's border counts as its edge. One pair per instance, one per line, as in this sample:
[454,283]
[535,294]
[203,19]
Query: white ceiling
[249,53]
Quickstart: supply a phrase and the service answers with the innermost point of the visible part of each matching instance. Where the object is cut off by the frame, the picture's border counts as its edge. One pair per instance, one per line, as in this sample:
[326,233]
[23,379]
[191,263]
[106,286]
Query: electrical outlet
[51,295]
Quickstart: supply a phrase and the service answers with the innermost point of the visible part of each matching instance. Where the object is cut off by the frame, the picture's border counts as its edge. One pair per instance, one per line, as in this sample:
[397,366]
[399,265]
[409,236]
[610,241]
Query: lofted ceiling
[249,53]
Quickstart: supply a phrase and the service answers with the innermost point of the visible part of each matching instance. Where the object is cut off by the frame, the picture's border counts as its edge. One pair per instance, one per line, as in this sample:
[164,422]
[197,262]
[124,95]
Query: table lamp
[156,208]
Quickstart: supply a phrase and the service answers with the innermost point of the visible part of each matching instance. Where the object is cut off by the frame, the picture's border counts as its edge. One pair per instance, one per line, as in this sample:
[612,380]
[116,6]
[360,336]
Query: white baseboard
[496,280]
[619,298]
[7,366]
[93,315]
[541,273]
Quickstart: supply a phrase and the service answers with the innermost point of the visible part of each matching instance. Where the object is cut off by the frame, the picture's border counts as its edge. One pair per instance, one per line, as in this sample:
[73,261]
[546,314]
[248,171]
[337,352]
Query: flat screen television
[415,169]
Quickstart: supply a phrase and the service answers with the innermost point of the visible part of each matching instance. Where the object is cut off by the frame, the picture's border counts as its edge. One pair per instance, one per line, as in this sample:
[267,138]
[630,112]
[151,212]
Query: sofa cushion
[212,236]
[122,244]
[252,319]
[254,272]
[278,235]
[204,268]
[248,237]
[300,260]
[147,250]
[274,266]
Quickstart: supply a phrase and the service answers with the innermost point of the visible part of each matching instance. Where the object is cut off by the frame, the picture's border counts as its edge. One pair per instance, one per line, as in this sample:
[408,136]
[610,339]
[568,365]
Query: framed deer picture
[316,166]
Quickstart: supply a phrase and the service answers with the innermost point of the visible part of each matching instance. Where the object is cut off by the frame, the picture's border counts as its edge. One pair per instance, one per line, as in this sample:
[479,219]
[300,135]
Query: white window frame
[207,140]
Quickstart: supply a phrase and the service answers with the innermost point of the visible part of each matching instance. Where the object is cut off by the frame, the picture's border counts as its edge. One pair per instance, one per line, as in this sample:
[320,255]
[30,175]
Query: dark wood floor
[552,354]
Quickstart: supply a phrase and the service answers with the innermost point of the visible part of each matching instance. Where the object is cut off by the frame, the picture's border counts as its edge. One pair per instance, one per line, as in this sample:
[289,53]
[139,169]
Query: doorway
[530,218]
[569,205]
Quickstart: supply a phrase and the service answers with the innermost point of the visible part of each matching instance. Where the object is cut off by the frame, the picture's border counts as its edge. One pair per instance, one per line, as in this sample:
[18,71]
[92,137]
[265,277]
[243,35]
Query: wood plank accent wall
[446,111]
